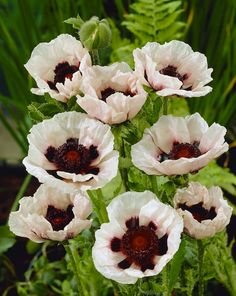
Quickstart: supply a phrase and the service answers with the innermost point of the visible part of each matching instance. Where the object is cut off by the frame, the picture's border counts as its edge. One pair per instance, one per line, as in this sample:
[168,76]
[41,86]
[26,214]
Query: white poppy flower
[72,151]
[177,145]
[57,67]
[204,211]
[141,238]
[112,93]
[173,68]
[51,215]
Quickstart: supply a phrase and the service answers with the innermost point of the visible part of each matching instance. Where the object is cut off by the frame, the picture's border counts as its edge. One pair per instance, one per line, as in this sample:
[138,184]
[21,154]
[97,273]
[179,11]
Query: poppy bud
[95,34]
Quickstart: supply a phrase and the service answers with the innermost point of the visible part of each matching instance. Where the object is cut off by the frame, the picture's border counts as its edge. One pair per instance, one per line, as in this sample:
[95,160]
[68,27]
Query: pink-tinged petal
[139,224]
[112,93]
[34,221]
[72,151]
[47,57]
[204,211]
[213,137]
[177,146]
[173,69]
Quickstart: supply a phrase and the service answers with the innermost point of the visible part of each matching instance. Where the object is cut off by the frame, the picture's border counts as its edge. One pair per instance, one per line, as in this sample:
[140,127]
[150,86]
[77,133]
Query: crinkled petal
[194,194]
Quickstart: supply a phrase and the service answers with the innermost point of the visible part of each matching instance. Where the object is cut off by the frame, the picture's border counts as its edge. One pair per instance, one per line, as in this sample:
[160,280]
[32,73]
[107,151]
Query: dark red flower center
[199,212]
[62,71]
[110,91]
[179,150]
[172,71]
[140,245]
[59,218]
[73,157]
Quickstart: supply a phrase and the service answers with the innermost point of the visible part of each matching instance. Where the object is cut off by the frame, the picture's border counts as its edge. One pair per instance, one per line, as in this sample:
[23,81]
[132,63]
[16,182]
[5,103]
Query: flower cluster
[73,152]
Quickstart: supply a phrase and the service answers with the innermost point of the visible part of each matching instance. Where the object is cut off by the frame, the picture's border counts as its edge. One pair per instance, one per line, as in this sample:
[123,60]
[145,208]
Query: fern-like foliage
[155,20]
[148,20]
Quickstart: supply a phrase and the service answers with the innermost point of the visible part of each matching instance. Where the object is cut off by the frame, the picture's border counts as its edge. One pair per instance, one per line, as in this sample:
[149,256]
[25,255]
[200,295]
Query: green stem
[165,106]
[123,171]
[95,57]
[99,205]
[154,184]
[102,205]
[165,281]
[21,192]
[75,266]
[116,288]
[200,268]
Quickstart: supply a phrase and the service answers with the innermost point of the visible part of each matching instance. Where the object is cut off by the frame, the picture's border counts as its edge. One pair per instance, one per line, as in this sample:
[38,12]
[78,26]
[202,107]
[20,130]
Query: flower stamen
[62,71]
[139,244]
[199,212]
[172,71]
[72,157]
[180,150]
[110,91]
[59,218]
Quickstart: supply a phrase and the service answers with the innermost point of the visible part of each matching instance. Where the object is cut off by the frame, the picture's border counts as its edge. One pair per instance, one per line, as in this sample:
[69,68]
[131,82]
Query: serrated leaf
[76,22]
[152,108]
[149,19]
[176,264]
[49,110]
[214,175]
[34,113]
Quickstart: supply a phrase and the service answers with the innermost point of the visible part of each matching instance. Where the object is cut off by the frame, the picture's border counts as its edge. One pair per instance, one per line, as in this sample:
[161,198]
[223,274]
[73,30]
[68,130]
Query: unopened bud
[95,34]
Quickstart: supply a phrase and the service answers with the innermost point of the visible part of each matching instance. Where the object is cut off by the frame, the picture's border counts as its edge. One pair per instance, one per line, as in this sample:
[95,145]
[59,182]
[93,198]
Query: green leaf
[76,22]
[214,175]
[217,251]
[47,108]
[7,239]
[32,247]
[176,264]
[73,106]
[134,178]
[34,113]
[152,107]
[155,20]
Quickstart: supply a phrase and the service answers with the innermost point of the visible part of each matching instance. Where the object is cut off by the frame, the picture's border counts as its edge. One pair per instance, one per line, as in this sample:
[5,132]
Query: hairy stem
[99,205]
[200,268]
[21,192]
[154,184]
[102,205]
[95,57]
[123,171]
[165,106]
[165,281]
[74,258]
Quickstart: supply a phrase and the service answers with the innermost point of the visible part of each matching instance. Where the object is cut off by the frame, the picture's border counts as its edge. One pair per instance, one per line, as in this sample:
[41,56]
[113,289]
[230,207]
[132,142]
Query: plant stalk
[75,266]
[154,184]
[200,268]
[95,57]
[123,171]
[21,192]
[165,281]
[165,106]
[97,199]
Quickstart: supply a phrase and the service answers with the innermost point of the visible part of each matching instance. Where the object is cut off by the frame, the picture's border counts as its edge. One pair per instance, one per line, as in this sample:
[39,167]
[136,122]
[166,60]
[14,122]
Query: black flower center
[110,91]
[59,218]
[140,245]
[172,71]
[179,150]
[62,71]
[199,212]
[72,157]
